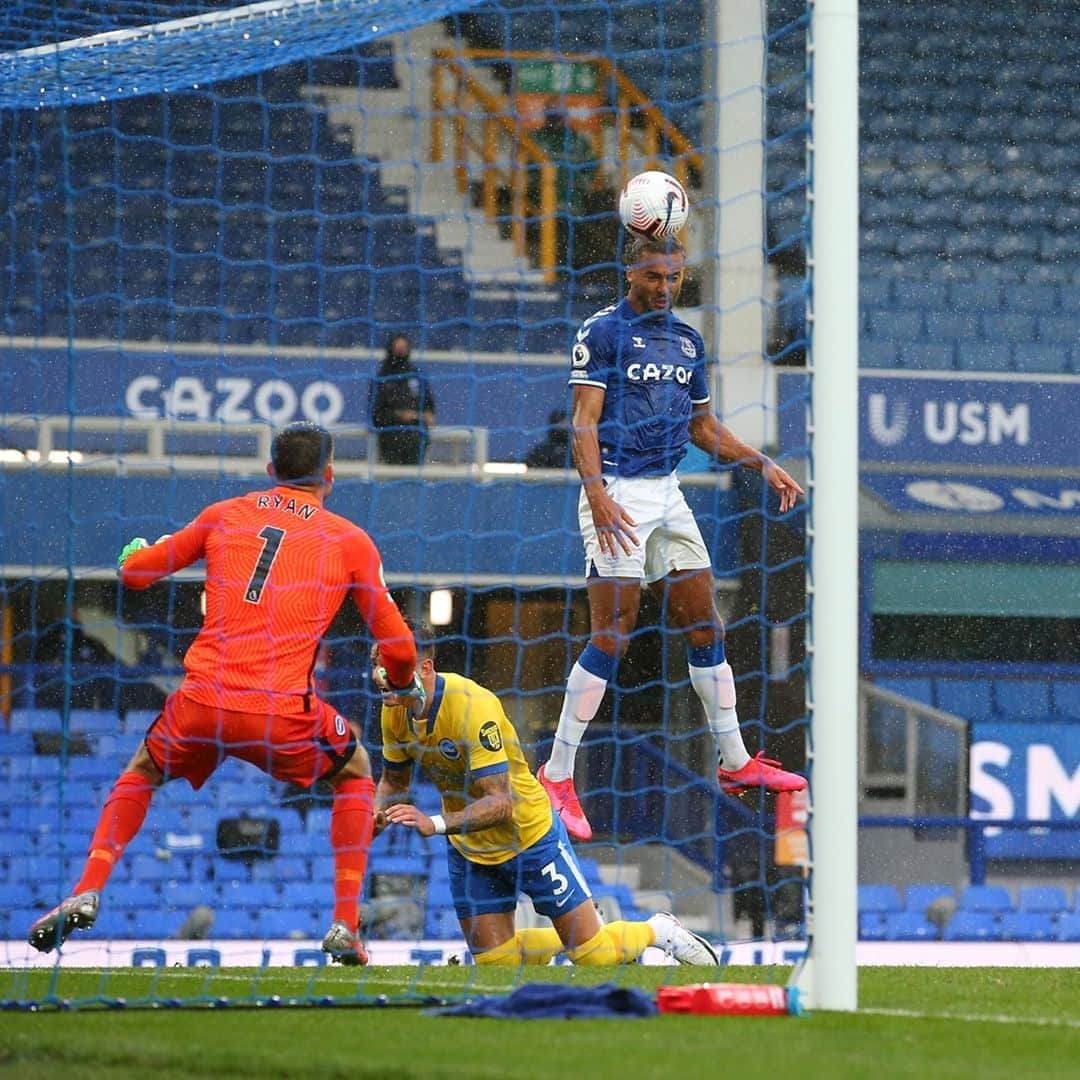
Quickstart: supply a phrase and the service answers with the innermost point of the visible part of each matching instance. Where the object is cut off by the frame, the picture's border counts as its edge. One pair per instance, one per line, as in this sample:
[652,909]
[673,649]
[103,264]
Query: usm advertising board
[977,472]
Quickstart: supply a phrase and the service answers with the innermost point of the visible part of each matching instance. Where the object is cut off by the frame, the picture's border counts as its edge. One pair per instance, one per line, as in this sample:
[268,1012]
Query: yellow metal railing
[488,139]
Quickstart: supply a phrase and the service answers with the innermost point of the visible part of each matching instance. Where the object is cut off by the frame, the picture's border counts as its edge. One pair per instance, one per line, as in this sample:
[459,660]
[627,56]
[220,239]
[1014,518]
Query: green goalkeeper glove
[388,689]
[129,549]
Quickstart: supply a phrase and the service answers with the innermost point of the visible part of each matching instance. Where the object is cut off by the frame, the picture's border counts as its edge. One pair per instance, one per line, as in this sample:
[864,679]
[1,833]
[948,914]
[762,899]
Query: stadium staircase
[394,126]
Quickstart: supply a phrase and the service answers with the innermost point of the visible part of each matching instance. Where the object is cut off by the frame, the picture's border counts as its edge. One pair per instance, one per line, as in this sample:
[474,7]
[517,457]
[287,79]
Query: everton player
[640,395]
[278,566]
[503,837]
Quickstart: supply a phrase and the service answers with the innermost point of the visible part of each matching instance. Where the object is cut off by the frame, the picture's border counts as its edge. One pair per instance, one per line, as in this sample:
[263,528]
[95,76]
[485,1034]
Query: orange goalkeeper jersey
[278,566]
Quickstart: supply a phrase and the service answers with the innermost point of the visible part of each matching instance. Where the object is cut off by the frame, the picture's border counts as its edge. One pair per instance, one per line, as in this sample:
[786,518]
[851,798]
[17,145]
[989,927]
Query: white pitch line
[977,1018]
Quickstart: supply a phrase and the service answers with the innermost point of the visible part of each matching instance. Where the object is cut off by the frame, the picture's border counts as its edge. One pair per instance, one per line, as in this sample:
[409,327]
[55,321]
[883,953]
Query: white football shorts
[669,535]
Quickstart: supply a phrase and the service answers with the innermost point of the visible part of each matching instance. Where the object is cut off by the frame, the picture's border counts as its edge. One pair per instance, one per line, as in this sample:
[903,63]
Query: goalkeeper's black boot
[74,913]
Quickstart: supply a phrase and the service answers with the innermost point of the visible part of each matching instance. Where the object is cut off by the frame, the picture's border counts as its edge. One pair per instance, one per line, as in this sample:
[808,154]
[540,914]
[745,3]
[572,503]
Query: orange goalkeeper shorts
[190,740]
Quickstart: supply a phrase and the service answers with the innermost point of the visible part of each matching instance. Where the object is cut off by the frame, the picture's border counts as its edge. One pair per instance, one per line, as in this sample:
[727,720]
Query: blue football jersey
[652,369]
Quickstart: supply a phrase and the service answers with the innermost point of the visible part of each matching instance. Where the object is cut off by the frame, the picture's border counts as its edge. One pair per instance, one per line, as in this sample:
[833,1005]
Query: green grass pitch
[930,1023]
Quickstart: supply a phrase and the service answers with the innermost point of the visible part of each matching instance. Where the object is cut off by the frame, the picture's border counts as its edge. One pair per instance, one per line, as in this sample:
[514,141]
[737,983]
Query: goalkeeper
[503,837]
[278,566]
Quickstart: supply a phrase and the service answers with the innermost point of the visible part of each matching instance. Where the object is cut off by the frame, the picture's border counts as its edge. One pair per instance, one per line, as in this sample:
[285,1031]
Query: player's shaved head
[300,453]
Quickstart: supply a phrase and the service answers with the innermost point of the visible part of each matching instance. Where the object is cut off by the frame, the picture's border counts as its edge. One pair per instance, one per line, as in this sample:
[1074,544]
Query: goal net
[213,220]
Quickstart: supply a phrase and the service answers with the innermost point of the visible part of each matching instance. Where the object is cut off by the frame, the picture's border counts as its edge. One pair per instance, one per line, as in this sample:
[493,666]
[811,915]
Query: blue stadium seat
[877,354]
[872,926]
[201,819]
[15,744]
[1010,326]
[385,863]
[43,770]
[972,926]
[231,924]
[285,870]
[909,926]
[974,295]
[136,721]
[875,291]
[183,895]
[322,864]
[1045,899]
[919,897]
[308,894]
[951,325]
[289,922]
[93,722]
[964,697]
[149,869]
[992,899]
[978,355]
[1068,927]
[16,844]
[888,324]
[1041,357]
[879,898]
[1029,296]
[34,720]
[1026,926]
[112,923]
[1022,699]
[14,894]
[911,293]
[1067,697]
[1058,329]
[441,923]
[927,356]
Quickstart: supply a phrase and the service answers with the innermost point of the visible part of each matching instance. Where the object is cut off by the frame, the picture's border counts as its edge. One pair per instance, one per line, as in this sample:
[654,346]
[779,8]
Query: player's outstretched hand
[129,549]
[408,815]
[782,483]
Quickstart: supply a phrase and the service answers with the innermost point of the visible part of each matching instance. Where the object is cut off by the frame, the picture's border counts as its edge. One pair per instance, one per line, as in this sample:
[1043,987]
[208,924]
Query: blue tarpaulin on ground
[538,1001]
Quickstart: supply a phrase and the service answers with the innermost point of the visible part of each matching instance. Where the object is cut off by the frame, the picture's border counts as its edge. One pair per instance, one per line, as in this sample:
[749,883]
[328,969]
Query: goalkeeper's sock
[121,819]
[351,823]
[585,689]
[536,945]
[618,942]
[714,684]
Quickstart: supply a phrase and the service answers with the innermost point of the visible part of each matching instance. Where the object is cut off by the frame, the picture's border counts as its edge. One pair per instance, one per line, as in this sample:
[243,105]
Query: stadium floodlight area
[213,218]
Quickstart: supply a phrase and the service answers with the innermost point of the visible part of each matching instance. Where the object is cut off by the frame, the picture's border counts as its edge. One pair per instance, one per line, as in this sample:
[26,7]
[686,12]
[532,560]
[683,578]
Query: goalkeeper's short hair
[300,452]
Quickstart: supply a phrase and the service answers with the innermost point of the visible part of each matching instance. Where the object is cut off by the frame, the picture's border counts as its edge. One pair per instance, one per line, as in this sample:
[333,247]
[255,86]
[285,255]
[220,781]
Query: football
[654,204]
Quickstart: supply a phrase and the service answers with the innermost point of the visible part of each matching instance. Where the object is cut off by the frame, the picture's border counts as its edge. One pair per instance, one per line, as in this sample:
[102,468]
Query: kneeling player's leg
[589,942]
[493,941]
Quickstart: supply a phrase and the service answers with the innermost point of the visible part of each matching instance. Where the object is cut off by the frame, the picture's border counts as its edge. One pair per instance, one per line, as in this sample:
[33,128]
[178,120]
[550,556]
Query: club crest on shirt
[688,347]
[490,738]
[448,749]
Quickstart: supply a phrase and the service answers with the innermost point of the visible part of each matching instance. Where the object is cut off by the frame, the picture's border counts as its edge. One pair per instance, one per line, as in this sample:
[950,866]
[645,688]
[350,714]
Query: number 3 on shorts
[560,882]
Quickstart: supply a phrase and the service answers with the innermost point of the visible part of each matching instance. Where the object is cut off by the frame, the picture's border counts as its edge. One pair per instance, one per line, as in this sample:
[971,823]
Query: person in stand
[278,567]
[401,406]
[503,838]
[553,451]
[640,396]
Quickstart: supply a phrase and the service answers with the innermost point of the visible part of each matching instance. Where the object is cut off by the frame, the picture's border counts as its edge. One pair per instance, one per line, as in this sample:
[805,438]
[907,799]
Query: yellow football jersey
[465,737]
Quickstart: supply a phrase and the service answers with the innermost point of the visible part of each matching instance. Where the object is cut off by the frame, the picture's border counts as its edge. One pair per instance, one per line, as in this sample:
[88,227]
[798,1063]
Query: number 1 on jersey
[271,539]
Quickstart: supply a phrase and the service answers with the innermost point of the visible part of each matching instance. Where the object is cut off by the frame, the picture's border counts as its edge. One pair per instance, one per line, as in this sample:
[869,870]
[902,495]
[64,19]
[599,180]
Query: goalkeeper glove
[388,689]
[129,549]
